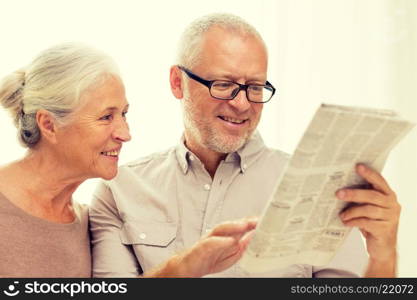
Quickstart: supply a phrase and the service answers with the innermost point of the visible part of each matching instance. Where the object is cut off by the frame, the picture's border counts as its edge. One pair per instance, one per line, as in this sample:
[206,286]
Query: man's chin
[227,144]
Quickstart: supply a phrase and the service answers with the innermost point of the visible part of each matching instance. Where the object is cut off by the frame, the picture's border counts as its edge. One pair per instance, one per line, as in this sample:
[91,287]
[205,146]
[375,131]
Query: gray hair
[54,81]
[189,47]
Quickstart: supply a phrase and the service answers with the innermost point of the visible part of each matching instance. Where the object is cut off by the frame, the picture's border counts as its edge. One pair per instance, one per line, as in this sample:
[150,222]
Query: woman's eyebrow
[113,108]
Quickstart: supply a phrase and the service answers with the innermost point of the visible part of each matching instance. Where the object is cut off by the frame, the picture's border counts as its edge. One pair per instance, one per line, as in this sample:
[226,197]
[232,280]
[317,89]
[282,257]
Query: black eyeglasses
[228,90]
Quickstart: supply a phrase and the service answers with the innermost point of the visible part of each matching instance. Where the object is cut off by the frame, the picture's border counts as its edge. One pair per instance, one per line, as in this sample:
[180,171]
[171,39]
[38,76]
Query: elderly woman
[69,107]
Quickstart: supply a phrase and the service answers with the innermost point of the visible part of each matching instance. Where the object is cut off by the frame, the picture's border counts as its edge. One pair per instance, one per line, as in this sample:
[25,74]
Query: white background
[351,52]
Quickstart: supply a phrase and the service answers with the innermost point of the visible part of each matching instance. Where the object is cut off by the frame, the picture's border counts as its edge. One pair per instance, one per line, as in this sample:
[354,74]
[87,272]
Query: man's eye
[256,88]
[223,85]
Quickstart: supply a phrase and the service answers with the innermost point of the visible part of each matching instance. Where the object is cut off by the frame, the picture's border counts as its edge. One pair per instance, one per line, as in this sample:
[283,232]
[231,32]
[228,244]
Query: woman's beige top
[33,247]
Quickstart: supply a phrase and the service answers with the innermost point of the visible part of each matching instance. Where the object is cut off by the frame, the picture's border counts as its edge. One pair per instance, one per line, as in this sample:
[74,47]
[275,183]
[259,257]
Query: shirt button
[208,230]
[207,187]
[245,166]
[191,158]
[142,236]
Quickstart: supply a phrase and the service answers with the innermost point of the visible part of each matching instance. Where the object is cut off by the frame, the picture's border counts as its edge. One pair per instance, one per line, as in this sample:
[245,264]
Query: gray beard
[208,137]
[221,145]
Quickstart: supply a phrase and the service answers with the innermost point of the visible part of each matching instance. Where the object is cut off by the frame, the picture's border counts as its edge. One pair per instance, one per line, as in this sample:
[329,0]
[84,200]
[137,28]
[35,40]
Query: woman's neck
[40,186]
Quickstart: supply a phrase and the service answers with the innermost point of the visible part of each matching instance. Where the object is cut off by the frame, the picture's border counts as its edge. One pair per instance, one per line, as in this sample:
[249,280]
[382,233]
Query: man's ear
[175,79]
[47,125]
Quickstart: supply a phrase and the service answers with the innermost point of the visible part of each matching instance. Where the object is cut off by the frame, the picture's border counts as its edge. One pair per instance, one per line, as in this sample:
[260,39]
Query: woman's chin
[108,175]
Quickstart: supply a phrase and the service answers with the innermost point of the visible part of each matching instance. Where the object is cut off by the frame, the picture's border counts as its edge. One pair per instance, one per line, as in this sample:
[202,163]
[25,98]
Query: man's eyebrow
[216,75]
[230,76]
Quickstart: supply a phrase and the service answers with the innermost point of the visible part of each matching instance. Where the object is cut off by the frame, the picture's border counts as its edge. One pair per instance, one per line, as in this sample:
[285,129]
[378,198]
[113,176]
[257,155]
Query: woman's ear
[175,79]
[47,125]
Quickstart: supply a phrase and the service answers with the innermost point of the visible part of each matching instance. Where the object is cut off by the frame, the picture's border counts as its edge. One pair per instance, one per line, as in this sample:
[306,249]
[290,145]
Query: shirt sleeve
[110,257]
[350,260]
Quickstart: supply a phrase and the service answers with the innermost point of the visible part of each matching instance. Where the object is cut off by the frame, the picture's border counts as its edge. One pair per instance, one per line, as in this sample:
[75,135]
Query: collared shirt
[162,204]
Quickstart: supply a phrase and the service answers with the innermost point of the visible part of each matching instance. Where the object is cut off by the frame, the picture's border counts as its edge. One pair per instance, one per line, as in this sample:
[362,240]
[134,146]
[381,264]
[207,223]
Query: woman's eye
[106,117]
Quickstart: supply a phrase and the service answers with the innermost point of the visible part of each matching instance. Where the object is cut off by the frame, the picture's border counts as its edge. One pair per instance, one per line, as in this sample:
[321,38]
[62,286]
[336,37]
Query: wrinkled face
[218,125]
[90,144]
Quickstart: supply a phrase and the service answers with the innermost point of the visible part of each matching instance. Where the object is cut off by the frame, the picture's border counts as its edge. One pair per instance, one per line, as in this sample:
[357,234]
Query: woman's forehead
[110,94]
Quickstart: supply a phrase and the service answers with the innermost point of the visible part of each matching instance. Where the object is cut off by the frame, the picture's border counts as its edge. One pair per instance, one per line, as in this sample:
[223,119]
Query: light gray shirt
[162,204]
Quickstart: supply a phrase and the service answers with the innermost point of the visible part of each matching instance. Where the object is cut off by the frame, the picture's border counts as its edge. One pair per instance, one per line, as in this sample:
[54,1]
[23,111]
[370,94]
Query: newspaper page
[301,223]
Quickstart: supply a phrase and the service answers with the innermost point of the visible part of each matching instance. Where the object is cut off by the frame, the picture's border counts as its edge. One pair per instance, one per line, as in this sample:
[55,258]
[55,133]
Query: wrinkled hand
[218,250]
[376,214]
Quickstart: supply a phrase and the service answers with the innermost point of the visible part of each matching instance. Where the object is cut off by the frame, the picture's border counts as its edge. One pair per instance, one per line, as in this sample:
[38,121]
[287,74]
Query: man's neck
[210,159]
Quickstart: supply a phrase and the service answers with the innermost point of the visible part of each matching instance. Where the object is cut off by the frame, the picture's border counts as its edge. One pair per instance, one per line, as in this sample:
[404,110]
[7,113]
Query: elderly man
[221,169]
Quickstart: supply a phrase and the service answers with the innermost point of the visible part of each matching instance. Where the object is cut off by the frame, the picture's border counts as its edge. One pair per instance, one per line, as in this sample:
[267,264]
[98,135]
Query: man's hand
[217,251]
[376,214]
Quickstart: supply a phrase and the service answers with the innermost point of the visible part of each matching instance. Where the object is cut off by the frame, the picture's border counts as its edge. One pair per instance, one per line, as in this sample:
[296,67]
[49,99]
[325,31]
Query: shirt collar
[250,151]
[182,153]
[245,156]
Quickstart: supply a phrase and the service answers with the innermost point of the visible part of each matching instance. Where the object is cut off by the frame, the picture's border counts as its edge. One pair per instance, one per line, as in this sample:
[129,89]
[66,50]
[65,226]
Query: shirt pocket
[152,242]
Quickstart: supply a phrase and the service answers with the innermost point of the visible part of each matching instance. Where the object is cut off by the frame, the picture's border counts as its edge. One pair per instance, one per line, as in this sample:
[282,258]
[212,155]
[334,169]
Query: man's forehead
[217,34]
[220,41]
[231,54]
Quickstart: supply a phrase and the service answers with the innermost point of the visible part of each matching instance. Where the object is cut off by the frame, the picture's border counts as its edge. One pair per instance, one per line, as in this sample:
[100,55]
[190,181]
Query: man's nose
[240,102]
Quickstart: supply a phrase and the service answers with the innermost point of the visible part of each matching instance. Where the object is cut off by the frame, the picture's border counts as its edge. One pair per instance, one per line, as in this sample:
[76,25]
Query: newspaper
[301,223]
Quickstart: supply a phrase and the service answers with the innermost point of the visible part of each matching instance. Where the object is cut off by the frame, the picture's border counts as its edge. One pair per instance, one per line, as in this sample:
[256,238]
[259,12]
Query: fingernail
[361,168]
[341,194]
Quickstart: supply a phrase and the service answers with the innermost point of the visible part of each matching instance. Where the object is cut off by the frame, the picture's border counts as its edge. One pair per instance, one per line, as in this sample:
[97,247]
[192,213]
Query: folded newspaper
[301,223]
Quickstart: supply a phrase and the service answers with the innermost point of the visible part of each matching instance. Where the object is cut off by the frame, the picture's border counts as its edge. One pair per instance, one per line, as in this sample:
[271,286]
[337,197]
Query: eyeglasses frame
[209,83]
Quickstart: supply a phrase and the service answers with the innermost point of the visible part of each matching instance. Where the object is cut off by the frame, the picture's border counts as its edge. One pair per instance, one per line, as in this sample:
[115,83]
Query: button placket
[218,189]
